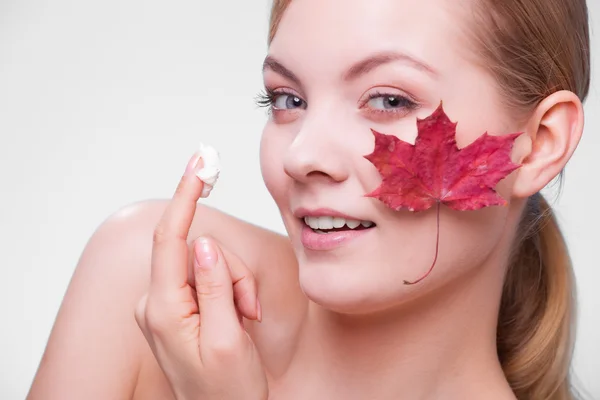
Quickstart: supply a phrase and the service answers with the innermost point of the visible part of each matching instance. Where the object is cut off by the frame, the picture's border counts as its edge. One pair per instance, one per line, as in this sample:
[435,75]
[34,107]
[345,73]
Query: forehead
[327,34]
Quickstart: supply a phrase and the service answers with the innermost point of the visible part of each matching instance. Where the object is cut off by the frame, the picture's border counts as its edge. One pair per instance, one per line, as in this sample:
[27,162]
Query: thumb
[214,287]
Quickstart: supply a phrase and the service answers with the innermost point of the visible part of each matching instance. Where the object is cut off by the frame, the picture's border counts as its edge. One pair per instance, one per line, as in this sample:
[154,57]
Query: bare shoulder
[255,245]
[95,349]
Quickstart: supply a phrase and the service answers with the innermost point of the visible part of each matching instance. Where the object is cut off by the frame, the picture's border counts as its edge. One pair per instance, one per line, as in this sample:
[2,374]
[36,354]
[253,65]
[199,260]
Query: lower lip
[329,241]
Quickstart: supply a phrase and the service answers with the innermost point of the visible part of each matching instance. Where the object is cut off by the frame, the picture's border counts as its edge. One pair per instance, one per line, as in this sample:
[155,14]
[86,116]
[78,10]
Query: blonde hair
[520,43]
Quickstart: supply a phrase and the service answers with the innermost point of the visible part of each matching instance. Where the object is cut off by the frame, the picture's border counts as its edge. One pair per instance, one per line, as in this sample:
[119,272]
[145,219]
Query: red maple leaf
[435,171]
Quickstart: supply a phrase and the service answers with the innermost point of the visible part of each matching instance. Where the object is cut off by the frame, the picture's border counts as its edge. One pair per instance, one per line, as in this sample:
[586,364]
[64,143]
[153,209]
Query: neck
[443,346]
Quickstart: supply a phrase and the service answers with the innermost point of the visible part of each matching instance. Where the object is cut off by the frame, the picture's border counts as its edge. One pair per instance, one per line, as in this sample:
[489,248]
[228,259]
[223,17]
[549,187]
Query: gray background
[101,105]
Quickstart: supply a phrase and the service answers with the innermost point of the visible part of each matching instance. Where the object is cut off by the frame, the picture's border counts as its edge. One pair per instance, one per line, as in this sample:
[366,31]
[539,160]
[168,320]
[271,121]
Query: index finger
[169,251]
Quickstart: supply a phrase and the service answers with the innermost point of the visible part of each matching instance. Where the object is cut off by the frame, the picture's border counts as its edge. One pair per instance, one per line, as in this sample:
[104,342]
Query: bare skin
[114,273]
[120,364]
[340,323]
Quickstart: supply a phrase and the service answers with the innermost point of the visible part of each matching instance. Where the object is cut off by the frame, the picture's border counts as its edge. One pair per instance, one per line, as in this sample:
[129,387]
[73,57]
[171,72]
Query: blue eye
[381,101]
[286,101]
[279,100]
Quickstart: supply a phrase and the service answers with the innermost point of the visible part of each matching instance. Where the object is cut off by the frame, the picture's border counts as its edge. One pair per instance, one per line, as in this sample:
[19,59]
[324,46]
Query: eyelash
[407,104]
[267,97]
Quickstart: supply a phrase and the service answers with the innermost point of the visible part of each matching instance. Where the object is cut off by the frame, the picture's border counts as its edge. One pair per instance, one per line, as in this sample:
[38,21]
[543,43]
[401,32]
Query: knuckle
[210,288]
[156,320]
[160,234]
[248,282]
[244,291]
[224,349]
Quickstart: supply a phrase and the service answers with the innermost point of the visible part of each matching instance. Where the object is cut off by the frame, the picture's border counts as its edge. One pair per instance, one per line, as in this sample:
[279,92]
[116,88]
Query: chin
[349,289]
[356,289]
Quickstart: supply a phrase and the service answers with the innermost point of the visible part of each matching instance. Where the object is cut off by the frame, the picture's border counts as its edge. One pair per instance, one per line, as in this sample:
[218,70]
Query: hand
[196,333]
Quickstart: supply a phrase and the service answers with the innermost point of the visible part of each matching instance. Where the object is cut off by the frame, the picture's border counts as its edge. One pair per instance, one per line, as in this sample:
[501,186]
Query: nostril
[317,173]
[319,176]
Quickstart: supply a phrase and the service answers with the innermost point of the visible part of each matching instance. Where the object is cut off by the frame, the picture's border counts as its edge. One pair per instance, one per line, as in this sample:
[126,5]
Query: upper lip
[324,212]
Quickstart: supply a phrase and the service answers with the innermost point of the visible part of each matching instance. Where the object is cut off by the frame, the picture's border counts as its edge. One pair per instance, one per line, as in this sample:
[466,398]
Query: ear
[554,130]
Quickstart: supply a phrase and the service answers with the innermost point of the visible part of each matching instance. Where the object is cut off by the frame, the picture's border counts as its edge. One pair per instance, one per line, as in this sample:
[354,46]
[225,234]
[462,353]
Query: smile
[325,232]
[330,224]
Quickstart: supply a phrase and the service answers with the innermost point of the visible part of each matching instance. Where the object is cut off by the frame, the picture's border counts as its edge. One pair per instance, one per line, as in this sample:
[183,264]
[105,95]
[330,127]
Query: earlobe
[555,129]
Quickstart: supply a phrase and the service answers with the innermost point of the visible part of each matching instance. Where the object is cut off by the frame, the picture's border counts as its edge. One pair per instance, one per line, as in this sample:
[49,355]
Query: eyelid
[386,91]
[283,90]
[388,115]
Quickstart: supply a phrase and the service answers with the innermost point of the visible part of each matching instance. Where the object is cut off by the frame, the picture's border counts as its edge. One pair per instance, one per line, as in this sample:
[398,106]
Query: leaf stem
[437,247]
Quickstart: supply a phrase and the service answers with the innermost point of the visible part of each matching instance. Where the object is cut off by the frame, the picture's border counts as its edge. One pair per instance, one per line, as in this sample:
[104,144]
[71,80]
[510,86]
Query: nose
[317,152]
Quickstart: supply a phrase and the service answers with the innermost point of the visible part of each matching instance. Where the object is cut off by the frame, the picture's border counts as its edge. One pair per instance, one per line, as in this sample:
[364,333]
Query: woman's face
[336,69]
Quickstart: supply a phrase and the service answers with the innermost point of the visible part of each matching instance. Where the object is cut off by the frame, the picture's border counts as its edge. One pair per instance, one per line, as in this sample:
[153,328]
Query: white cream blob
[209,174]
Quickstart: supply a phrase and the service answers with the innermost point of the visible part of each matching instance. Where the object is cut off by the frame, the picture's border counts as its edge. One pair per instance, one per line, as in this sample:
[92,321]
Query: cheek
[471,237]
[368,279]
[467,241]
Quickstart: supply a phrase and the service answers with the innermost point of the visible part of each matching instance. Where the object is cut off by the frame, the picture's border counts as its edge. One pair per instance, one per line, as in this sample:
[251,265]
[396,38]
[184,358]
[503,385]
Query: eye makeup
[379,105]
[386,105]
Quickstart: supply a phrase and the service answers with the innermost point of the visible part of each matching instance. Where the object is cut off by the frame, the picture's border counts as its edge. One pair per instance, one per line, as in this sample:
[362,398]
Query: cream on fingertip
[209,173]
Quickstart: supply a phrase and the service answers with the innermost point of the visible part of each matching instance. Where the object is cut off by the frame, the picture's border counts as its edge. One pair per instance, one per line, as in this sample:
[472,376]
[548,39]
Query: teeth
[338,222]
[352,224]
[327,222]
[313,222]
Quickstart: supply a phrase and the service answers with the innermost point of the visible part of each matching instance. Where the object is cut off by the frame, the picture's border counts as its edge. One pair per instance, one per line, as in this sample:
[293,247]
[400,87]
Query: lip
[323,212]
[329,241]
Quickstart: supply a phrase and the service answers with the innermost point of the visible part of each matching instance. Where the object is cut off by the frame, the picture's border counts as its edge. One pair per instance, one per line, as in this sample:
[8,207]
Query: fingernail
[191,165]
[206,255]
[258,310]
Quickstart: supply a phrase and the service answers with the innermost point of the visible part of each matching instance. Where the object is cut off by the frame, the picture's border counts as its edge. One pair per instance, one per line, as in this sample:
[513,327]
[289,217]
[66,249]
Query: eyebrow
[277,67]
[357,70]
[370,63]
